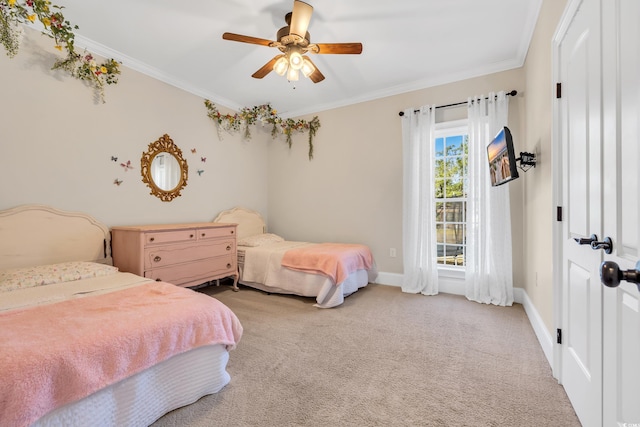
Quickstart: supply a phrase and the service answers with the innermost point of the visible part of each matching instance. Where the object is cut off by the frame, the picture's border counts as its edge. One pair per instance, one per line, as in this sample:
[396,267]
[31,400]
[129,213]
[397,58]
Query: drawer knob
[151,239]
[157,258]
[203,234]
[191,236]
[228,265]
[232,231]
[158,280]
[228,247]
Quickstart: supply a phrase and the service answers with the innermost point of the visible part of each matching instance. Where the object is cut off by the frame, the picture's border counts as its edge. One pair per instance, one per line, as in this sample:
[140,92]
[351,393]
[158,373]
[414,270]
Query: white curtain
[488,273]
[419,223]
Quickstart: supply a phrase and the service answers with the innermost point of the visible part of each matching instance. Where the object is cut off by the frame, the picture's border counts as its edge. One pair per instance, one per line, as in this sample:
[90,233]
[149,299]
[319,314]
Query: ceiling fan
[294,42]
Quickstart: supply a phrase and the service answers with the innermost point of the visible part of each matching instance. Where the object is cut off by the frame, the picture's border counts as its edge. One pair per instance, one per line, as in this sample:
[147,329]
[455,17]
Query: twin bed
[85,344]
[69,354]
[326,272]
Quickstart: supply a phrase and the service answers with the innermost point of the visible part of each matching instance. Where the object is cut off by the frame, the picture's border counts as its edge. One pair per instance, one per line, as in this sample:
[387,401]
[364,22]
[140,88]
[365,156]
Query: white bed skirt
[145,397]
[320,287]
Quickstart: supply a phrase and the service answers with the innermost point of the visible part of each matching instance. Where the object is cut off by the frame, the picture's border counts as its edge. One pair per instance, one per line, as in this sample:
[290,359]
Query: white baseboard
[389,279]
[455,286]
[448,285]
[543,335]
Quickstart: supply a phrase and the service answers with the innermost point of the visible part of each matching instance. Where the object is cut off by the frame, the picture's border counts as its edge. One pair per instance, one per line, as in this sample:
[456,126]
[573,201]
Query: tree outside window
[451,159]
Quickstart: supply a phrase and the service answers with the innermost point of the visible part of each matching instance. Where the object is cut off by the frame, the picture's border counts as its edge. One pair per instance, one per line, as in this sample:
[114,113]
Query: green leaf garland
[81,66]
[264,114]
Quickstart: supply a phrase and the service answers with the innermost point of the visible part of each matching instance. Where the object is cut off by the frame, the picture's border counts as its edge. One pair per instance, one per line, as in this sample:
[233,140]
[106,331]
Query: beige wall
[352,190]
[539,212]
[56,145]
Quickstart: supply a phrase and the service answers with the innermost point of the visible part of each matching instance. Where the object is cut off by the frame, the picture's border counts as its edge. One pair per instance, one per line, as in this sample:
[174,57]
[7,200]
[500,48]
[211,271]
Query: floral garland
[266,115]
[81,66]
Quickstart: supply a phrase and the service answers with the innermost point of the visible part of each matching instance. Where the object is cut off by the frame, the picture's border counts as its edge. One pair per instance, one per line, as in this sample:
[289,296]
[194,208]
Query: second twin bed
[327,272]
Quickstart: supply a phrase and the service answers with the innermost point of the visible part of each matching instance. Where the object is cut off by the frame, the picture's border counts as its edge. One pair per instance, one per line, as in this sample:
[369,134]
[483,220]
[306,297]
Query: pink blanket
[59,353]
[335,260]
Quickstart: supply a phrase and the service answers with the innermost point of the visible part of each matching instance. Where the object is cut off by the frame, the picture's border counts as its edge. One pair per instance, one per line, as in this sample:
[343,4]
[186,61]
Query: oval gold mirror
[163,169]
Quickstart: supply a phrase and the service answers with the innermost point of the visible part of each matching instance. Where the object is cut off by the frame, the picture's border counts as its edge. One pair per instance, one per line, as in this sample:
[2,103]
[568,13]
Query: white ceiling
[408,45]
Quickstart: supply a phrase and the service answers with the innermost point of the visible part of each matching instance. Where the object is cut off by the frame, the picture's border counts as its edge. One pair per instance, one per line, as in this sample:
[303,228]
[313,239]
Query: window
[451,183]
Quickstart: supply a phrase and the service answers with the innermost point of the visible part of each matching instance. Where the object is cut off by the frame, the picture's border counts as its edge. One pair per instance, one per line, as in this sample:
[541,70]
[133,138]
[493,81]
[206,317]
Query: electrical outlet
[392,252]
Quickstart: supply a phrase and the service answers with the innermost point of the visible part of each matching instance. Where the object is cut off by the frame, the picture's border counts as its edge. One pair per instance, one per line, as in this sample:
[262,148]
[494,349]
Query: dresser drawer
[196,272]
[215,232]
[162,237]
[176,254]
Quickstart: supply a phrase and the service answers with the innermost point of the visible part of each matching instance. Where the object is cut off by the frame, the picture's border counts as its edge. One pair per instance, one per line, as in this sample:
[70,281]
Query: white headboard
[249,222]
[37,234]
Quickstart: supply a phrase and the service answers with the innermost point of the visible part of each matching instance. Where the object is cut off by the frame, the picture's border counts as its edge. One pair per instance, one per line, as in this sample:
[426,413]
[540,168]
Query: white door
[621,213]
[599,116]
[579,56]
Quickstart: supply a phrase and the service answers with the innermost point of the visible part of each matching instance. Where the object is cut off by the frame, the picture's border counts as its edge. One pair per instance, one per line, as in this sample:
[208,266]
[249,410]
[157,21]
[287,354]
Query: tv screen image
[502,159]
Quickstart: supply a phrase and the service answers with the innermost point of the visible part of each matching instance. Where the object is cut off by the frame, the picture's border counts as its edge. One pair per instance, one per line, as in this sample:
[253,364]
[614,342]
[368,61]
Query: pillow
[28,277]
[260,239]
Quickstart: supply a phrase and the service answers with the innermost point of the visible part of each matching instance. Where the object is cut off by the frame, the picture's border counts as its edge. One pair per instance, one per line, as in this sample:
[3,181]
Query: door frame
[556,167]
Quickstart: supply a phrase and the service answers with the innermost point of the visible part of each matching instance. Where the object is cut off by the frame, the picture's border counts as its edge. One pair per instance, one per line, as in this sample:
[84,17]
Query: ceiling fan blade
[246,39]
[300,18]
[266,68]
[316,77]
[336,48]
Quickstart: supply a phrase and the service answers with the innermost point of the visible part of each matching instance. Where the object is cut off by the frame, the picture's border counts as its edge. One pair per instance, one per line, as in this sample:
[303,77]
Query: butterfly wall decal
[203,159]
[114,159]
[127,165]
[193,151]
[200,172]
[117,181]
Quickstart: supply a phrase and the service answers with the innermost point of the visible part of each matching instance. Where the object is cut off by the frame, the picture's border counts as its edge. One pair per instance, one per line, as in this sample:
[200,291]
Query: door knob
[586,240]
[611,275]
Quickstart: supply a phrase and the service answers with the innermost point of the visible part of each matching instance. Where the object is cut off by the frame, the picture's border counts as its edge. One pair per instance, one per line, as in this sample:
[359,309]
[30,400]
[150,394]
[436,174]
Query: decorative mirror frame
[163,145]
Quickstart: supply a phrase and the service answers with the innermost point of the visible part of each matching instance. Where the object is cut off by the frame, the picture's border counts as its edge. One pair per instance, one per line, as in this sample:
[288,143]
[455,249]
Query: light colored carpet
[383,358]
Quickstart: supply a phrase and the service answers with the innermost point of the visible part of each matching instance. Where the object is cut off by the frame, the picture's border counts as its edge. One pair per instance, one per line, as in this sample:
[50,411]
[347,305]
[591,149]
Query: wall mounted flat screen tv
[502,158]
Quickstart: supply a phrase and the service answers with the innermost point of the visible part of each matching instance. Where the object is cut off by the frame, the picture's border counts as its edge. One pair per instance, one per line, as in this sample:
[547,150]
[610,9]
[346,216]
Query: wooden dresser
[183,254]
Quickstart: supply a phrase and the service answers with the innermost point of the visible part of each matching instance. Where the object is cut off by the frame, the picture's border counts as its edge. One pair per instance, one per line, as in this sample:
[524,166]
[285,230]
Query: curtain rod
[512,93]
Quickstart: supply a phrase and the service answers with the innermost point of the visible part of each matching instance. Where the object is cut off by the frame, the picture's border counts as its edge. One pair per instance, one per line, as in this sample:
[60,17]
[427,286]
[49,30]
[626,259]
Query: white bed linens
[61,291]
[262,263]
[143,398]
[262,269]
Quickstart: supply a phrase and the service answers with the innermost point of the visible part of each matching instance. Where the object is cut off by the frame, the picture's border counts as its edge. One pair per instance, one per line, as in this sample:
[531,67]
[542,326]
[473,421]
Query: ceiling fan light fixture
[307,67]
[292,75]
[281,66]
[295,60]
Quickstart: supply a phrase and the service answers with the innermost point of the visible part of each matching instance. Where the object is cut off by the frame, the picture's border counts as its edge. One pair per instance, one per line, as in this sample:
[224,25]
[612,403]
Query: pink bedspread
[335,260]
[59,353]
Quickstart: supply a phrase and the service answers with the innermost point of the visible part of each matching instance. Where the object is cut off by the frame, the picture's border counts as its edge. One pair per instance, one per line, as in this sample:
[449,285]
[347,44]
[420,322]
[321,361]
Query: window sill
[453,273]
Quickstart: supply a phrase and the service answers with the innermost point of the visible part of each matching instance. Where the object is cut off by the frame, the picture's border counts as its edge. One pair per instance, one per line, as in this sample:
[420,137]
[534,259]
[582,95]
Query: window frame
[443,130]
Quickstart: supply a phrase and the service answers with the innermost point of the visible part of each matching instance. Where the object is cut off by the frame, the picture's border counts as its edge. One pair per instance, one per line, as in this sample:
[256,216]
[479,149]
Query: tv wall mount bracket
[526,161]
